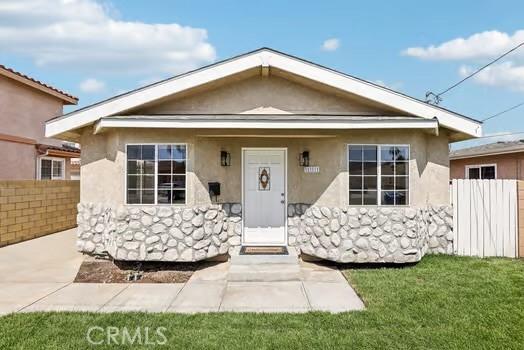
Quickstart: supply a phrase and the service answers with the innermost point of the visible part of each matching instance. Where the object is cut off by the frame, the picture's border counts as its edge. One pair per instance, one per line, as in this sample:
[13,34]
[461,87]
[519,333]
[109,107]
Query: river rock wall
[388,235]
[169,233]
[157,233]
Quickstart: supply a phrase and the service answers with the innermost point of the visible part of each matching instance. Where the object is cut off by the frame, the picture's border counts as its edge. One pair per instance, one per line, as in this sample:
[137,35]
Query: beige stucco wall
[257,94]
[103,155]
[103,163]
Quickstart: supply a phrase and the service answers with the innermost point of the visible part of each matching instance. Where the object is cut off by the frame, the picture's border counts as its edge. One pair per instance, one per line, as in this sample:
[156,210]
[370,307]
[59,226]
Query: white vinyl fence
[485,217]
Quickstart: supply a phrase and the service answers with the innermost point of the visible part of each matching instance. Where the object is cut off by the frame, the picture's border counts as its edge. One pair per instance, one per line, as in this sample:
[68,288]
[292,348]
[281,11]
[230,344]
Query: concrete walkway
[37,276]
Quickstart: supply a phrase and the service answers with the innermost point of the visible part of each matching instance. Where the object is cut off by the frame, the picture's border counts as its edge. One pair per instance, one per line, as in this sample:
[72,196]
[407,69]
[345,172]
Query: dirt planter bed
[108,271]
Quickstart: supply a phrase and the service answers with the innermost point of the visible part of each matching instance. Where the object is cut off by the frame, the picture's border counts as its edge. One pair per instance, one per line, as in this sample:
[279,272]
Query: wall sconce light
[225,158]
[304,158]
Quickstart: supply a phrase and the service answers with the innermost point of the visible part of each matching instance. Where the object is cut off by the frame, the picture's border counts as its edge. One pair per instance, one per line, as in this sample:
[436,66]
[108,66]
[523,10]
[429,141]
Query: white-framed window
[481,171]
[50,168]
[378,174]
[156,173]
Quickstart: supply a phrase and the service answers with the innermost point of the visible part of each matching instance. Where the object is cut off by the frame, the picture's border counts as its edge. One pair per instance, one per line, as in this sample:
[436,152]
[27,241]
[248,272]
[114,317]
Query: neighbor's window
[156,174]
[378,174]
[481,172]
[51,169]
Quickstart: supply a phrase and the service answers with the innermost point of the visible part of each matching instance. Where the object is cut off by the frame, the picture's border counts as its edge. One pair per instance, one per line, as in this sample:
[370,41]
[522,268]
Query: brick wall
[31,209]
[520,191]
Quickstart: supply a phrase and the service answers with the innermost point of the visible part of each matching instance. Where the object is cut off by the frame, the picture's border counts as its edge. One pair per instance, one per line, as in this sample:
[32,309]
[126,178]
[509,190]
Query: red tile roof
[70,98]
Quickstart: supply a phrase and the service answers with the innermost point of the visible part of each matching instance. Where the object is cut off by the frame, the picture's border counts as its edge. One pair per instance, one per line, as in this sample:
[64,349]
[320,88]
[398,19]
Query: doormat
[259,250]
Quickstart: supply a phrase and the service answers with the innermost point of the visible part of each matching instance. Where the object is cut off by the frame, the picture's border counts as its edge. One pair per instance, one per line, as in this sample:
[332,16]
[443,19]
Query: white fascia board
[263,124]
[140,97]
[375,93]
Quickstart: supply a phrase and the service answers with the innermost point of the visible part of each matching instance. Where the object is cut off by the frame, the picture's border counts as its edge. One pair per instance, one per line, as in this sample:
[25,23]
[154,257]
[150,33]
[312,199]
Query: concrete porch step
[264,273]
[291,258]
[263,259]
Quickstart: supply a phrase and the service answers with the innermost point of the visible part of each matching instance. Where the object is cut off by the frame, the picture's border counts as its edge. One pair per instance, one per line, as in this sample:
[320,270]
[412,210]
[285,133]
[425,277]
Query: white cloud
[92,85]
[478,49]
[331,44]
[488,44]
[506,74]
[86,35]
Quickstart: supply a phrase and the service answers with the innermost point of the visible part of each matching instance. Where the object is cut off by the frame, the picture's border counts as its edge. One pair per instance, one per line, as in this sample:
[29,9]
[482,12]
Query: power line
[498,135]
[504,111]
[437,97]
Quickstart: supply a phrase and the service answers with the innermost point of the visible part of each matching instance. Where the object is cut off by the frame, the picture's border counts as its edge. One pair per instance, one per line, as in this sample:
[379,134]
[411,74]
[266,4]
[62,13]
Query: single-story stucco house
[264,149]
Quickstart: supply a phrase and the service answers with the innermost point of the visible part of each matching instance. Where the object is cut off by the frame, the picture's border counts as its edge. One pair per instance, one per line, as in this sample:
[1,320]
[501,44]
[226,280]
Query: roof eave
[486,154]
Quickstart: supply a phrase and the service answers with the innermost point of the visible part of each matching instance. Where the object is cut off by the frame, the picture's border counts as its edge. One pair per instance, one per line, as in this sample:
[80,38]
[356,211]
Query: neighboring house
[500,160]
[25,105]
[264,149]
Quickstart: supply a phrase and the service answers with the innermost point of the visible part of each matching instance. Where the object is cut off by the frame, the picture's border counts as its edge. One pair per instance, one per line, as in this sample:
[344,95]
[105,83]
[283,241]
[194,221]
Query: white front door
[264,184]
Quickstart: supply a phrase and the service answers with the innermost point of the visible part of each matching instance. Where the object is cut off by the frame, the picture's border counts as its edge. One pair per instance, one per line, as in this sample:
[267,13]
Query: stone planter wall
[156,233]
[365,235]
[165,233]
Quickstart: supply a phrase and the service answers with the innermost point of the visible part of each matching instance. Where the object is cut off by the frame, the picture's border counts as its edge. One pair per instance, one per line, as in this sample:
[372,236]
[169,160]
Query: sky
[95,49]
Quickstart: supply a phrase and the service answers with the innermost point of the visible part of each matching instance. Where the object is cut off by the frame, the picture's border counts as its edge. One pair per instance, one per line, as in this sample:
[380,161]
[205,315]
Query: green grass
[440,303]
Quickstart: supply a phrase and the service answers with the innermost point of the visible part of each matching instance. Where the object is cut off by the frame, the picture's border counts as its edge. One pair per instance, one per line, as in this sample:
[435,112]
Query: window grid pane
[362,169]
[150,173]
[45,169]
[57,169]
[487,172]
[395,175]
[384,170]
[171,178]
[156,171]
[474,173]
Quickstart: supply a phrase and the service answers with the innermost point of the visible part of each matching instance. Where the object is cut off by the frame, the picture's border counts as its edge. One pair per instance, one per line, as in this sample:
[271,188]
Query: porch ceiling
[266,121]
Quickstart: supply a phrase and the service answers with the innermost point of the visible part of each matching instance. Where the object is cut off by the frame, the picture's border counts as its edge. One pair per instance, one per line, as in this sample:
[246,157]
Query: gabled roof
[263,58]
[501,147]
[37,84]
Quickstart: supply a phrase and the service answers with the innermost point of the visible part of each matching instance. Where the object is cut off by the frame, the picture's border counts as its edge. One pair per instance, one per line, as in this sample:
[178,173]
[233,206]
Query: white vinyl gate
[485,217]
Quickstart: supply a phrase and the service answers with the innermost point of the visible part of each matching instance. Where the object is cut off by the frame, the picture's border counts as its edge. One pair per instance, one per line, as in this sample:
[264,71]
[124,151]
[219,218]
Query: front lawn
[440,303]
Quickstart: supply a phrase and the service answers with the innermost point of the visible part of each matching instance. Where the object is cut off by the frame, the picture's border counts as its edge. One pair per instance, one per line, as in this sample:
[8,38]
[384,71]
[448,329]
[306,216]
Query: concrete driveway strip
[199,297]
[15,296]
[78,297]
[265,297]
[51,258]
[332,297]
[147,297]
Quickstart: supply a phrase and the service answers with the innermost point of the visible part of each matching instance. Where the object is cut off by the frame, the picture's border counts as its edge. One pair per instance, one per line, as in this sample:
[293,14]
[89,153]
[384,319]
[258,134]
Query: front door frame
[285,192]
